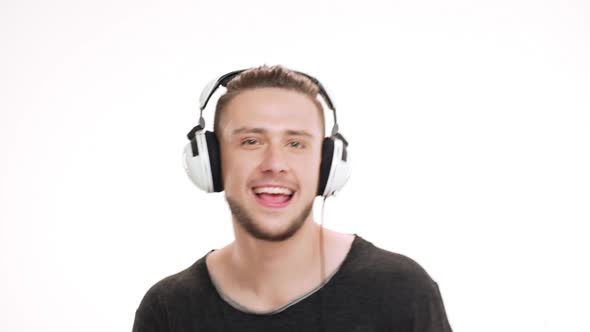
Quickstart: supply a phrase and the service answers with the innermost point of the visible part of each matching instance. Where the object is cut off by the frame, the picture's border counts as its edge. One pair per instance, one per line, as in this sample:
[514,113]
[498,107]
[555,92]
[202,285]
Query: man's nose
[274,160]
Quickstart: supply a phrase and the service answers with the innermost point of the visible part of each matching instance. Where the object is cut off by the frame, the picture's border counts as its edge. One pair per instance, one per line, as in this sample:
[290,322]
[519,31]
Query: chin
[267,225]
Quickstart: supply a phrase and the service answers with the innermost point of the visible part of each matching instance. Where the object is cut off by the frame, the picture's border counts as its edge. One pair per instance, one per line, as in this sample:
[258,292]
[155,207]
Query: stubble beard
[255,230]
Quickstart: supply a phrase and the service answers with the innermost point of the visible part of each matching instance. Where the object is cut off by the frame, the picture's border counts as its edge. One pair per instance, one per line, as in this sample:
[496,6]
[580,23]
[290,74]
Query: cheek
[235,170]
[229,170]
[309,172]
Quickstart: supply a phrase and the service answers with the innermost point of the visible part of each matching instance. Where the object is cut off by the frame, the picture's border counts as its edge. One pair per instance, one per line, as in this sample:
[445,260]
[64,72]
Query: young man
[283,272]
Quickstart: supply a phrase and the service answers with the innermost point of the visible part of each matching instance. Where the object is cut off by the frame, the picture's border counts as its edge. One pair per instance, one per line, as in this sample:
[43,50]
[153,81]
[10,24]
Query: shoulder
[389,270]
[394,286]
[168,296]
[188,282]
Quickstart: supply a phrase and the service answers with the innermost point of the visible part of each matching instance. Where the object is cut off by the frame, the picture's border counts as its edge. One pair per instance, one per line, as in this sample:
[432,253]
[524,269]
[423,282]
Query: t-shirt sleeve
[150,316]
[429,312]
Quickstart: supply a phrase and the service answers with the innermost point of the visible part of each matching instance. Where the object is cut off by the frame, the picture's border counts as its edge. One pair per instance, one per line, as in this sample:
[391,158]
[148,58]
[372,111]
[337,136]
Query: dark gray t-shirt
[373,290]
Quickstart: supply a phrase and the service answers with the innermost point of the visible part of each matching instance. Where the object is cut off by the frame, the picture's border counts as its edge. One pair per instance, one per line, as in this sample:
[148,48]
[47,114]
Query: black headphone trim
[326,164]
[194,146]
[214,160]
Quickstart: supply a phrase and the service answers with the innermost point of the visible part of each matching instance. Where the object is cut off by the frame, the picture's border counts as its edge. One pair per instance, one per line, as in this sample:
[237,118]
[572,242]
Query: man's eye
[296,144]
[249,141]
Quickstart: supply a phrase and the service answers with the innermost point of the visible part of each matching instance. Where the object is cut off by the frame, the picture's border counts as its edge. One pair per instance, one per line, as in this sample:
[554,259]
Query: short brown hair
[268,77]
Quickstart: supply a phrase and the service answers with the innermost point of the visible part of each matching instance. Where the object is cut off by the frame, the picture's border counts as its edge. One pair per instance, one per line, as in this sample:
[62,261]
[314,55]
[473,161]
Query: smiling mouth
[277,198]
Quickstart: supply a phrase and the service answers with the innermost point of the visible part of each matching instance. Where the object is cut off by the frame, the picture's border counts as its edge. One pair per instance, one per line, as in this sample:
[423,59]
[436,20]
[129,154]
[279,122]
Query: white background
[468,124]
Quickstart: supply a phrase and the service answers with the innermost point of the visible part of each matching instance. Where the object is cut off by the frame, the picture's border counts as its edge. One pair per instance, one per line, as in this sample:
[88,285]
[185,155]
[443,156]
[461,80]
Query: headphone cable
[322,267]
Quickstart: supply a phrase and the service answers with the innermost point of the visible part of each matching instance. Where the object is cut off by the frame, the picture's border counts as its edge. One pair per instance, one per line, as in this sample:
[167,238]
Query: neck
[268,269]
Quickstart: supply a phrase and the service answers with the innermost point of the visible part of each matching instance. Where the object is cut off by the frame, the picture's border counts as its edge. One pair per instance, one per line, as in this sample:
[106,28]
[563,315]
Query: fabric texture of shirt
[372,290]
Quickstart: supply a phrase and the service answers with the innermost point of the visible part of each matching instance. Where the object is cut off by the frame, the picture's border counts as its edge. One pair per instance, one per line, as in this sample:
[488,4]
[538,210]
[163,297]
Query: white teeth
[273,190]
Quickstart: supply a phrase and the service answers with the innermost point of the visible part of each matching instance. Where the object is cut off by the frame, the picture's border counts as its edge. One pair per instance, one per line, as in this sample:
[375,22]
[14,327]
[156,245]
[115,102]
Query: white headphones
[202,161]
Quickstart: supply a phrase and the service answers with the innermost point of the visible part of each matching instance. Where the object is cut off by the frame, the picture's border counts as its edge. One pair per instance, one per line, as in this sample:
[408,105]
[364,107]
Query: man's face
[270,142]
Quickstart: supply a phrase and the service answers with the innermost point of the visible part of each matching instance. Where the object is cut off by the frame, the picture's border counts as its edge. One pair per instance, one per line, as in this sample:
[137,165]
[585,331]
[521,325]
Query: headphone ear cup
[202,163]
[326,164]
[334,168]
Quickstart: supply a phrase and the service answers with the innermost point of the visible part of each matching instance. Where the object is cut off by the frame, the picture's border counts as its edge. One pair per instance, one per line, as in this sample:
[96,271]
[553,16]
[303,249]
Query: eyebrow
[289,132]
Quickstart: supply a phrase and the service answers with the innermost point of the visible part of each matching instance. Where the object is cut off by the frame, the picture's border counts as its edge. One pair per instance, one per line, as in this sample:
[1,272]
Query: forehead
[275,109]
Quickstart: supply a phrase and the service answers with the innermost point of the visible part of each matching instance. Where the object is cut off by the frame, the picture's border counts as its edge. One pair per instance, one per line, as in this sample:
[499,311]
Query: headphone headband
[225,79]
